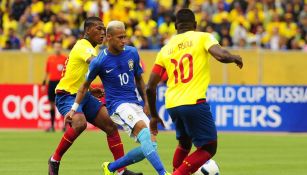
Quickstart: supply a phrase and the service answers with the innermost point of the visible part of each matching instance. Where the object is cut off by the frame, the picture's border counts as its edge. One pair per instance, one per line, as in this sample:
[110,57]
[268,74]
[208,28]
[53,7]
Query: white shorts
[127,115]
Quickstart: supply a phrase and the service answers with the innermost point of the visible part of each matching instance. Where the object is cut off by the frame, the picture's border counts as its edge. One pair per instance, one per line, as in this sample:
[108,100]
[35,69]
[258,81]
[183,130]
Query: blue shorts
[195,122]
[89,106]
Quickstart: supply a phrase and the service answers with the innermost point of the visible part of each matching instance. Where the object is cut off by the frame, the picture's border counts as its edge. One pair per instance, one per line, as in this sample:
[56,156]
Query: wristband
[75,107]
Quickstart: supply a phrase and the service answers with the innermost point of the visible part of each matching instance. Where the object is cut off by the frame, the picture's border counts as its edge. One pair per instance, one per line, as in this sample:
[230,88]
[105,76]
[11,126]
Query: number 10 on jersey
[180,65]
[123,78]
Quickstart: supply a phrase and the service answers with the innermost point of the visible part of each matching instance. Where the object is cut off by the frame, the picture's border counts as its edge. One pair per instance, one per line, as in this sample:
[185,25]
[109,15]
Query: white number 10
[124,78]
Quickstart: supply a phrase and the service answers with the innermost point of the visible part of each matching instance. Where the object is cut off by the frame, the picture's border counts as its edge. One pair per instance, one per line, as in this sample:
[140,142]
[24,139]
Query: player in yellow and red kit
[185,59]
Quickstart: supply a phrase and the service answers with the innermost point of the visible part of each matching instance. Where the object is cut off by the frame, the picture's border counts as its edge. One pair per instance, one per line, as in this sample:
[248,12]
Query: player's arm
[88,61]
[96,92]
[154,79]
[45,80]
[81,93]
[47,71]
[93,72]
[140,85]
[79,97]
[224,56]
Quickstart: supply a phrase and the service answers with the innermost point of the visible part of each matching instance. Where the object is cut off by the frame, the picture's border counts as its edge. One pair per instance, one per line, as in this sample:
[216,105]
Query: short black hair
[90,21]
[185,15]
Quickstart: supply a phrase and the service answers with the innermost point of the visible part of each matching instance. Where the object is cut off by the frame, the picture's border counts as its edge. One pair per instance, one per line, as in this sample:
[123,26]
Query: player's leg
[97,114]
[103,122]
[136,154]
[52,116]
[184,142]
[182,151]
[51,98]
[134,124]
[201,129]
[78,125]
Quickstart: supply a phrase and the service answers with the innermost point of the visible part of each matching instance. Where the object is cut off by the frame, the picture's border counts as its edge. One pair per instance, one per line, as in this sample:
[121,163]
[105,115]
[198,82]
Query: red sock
[193,162]
[116,147]
[67,140]
[179,155]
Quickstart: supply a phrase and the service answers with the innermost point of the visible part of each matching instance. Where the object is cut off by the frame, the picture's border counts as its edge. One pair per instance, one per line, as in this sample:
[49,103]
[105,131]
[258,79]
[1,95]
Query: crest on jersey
[90,51]
[130,117]
[130,64]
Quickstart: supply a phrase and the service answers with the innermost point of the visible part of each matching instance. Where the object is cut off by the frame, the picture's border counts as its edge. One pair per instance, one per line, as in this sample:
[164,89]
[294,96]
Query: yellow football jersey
[75,70]
[186,60]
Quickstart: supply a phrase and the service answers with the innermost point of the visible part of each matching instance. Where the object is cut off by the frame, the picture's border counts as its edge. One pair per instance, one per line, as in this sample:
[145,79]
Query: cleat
[128,172]
[53,167]
[51,129]
[105,169]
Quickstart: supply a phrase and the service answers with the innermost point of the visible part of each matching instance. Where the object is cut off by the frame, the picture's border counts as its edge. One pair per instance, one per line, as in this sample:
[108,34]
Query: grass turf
[27,152]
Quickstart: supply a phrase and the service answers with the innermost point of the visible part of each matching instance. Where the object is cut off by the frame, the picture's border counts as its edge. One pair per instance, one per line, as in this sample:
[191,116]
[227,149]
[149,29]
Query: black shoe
[128,172]
[51,129]
[53,167]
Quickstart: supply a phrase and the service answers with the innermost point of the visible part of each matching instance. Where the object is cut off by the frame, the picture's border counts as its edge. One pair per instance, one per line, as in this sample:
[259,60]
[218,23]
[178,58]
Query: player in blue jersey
[91,109]
[119,68]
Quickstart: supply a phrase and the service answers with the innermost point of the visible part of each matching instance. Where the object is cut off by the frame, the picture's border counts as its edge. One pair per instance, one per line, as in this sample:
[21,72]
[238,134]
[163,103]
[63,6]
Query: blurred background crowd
[34,25]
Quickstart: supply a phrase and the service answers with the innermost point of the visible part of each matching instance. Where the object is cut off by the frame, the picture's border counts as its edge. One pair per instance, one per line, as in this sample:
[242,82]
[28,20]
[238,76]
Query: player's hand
[43,88]
[68,117]
[154,124]
[97,92]
[238,61]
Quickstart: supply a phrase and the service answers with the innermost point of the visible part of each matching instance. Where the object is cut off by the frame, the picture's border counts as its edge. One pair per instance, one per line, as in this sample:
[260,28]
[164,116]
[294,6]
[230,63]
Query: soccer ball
[209,168]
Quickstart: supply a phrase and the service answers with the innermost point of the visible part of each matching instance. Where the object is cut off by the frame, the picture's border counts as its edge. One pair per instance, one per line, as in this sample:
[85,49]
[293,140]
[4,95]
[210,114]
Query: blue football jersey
[117,74]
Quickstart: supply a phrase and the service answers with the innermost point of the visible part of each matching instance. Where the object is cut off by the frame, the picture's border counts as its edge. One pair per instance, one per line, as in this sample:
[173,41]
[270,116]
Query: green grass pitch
[27,152]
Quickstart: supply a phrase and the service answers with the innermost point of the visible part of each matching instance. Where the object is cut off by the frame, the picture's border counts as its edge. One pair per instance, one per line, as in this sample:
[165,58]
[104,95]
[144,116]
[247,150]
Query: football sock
[52,117]
[155,145]
[193,162]
[131,157]
[149,151]
[179,155]
[66,141]
[116,147]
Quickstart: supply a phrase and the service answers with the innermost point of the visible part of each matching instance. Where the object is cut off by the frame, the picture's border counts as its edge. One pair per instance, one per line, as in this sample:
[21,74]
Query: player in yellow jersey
[185,59]
[90,109]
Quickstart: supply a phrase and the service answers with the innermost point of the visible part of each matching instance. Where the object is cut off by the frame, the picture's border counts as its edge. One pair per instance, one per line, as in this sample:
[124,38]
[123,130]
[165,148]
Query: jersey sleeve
[137,68]
[209,41]
[94,69]
[85,52]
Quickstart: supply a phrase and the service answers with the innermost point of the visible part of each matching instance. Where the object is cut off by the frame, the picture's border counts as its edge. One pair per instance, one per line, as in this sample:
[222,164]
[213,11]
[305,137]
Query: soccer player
[54,66]
[119,68]
[185,59]
[91,109]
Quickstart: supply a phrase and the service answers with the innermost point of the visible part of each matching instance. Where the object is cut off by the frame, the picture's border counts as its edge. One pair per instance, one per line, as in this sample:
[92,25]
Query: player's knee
[79,124]
[144,134]
[185,143]
[211,148]
[111,129]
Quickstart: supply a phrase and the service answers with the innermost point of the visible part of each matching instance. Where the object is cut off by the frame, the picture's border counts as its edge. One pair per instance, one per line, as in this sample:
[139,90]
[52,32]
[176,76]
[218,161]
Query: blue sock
[155,145]
[131,157]
[149,151]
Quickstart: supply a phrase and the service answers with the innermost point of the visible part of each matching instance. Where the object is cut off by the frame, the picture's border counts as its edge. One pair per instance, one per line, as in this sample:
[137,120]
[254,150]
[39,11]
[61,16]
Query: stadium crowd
[34,25]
